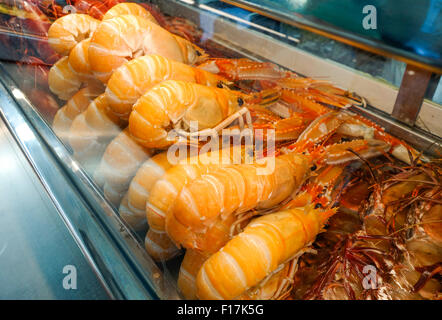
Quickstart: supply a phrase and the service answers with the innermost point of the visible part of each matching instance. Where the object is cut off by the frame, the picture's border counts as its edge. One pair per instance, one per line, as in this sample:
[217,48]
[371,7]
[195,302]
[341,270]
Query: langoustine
[79,54]
[146,71]
[92,130]
[134,78]
[177,104]
[275,281]
[166,189]
[266,243]
[241,188]
[384,246]
[64,82]
[125,37]
[119,163]
[66,32]
[208,242]
[139,189]
[133,205]
[404,214]
[70,36]
[77,104]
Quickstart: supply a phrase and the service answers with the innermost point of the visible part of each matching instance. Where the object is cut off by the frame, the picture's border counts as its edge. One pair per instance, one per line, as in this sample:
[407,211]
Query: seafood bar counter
[218,150]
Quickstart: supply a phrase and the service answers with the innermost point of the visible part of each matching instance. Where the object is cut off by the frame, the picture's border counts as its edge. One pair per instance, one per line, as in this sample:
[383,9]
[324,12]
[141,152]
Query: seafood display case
[99,99]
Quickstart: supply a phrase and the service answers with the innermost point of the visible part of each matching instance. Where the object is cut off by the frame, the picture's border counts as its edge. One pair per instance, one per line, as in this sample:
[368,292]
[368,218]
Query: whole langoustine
[277,281]
[390,232]
[234,190]
[405,213]
[76,105]
[178,104]
[266,243]
[125,37]
[134,78]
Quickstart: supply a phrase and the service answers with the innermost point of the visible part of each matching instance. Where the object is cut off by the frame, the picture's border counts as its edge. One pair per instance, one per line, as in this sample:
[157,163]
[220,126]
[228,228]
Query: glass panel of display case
[117,108]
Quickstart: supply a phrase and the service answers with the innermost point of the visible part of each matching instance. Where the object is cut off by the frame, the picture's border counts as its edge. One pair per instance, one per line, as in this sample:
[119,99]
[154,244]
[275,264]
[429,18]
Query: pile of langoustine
[33,18]
[247,233]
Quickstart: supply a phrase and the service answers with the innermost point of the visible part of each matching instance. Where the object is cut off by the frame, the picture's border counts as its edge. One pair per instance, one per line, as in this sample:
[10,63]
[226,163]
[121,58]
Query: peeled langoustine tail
[192,262]
[76,105]
[178,105]
[79,59]
[68,31]
[229,190]
[92,130]
[175,104]
[133,206]
[275,241]
[140,186]
[134,78]
[165,191]
[125,37]
[133,209]
[159,246]
[276,285]
[266,243]
[130,8]
[120,162]
[64,82]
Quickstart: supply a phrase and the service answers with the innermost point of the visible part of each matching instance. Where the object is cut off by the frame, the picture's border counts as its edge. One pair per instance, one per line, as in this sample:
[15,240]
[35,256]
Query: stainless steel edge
[415,136]
[120,262]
